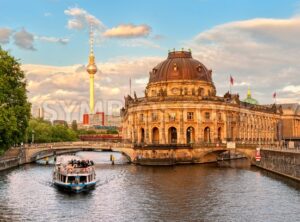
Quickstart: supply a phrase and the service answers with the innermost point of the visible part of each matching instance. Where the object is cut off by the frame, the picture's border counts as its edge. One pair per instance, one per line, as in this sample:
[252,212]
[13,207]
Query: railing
[77,144]
[282,148]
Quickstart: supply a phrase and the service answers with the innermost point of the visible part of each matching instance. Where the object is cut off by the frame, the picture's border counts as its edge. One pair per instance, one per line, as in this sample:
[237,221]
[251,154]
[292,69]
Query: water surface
[230,191]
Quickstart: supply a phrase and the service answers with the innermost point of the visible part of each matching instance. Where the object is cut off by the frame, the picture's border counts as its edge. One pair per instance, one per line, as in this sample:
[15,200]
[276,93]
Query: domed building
[249,99]
[180,107]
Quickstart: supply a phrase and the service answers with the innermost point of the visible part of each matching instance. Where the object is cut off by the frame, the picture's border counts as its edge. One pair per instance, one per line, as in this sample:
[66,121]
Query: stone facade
[181,107]
[291,122]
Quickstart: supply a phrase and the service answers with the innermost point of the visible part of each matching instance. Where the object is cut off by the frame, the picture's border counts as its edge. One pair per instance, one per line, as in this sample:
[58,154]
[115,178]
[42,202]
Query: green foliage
[62,133]
[86,132]
[45,132]
[14,107]
[112,132]
[41,129]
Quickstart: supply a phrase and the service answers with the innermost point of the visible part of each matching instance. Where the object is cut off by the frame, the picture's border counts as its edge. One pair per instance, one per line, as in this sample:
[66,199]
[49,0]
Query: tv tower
[91,69]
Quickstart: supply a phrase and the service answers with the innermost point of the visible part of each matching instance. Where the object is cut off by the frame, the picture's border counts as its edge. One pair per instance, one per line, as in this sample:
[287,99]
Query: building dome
[249,99]
[180,65]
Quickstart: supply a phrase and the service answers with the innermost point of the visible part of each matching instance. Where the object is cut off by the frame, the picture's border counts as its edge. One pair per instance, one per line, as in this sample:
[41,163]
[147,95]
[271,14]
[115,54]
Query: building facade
[180,106]
[291,123]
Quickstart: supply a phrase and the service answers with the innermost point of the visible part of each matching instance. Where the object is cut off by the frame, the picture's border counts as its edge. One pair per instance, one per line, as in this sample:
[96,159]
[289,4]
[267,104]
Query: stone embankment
[285,162]
[11,158]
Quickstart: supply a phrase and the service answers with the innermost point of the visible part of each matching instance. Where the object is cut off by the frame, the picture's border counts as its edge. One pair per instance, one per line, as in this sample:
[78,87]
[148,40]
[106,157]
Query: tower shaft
[92,96]
[92,70]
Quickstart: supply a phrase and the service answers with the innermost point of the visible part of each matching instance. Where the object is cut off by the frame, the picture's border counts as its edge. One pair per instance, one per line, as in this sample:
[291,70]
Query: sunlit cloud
[128,31]
[261,53]
[80,19]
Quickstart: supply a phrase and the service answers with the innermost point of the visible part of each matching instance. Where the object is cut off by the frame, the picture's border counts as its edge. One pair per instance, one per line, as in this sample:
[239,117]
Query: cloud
[128,31]
[70,84]
[62,41]
[24,40]
[292,89]
[80,19]
[262,53]
[5,34]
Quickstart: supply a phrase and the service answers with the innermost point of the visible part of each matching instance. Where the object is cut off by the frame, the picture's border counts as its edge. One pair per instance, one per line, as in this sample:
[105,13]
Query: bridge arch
[211,155]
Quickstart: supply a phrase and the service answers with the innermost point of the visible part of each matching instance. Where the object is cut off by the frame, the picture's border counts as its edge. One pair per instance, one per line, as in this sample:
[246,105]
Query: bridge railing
[285,149]
[78,144]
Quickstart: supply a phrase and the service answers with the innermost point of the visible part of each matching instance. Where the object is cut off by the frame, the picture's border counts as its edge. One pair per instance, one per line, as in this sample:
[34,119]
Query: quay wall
[283,162]
[9,163]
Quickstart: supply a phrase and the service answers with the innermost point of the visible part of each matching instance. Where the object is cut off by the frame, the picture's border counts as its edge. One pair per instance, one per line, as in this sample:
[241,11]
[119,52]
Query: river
[227,191]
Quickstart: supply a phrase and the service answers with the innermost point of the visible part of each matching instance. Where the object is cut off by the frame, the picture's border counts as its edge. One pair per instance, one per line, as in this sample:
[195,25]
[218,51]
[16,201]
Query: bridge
[34,152]
[147,154]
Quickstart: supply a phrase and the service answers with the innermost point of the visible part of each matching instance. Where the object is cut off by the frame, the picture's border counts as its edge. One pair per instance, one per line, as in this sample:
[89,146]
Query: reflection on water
[228,191]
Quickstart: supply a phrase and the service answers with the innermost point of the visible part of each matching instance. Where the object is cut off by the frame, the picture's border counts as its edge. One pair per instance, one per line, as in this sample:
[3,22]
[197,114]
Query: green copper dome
[249,99]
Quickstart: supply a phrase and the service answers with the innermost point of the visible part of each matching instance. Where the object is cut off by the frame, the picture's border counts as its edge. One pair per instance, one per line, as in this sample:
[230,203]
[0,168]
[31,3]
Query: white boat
[73,174]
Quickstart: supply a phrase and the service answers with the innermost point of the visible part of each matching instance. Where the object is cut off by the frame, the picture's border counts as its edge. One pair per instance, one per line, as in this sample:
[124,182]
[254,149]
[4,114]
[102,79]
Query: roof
[249,99]
[290,108]
[180,65]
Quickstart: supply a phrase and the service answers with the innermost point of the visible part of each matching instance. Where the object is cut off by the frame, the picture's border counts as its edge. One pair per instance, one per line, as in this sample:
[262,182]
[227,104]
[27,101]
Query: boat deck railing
[75,170]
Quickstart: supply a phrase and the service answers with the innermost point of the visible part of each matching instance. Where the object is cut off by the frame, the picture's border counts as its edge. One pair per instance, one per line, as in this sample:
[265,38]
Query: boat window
[83,179]
[71,179]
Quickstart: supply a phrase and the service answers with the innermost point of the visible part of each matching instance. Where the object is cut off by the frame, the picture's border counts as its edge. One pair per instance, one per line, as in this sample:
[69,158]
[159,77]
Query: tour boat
[74,174]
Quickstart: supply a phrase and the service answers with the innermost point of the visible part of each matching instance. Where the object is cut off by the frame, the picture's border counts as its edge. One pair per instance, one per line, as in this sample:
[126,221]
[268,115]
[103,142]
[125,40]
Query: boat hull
[75,188]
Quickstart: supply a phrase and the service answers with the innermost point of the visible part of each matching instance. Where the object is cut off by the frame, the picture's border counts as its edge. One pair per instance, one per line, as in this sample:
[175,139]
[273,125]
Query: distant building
[38,112]
[249,99]
[96,119]
[60,122]
[112,120]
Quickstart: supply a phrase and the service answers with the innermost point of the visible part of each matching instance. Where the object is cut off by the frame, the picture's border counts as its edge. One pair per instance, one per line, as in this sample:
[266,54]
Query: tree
[42,131]
[74,125]
[14,107]
[45,132]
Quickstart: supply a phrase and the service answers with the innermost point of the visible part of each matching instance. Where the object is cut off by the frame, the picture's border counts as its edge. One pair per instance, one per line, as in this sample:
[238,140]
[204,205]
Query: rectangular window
[141,117]
[190,115]
[172,116]
[207,115]
[219,116]
[154,117]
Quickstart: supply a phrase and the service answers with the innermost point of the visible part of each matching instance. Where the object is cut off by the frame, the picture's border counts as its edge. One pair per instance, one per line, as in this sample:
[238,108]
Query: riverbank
[11,158]
[282,162]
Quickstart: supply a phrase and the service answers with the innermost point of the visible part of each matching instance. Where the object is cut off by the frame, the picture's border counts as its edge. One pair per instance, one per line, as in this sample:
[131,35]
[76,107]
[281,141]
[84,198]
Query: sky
[254,41]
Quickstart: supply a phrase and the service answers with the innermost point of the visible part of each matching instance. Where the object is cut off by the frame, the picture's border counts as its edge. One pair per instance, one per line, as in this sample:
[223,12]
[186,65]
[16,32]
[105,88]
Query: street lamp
[190,131]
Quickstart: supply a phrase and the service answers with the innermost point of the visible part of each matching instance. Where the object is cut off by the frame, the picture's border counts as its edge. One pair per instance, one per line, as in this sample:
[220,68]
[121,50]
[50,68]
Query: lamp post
[190,131]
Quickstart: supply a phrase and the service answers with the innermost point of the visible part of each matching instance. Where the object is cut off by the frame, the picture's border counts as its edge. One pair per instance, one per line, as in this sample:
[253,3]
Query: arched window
[207,135]
[190,135]
[142,135]
[155,135]
[219,134]
[172,135]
